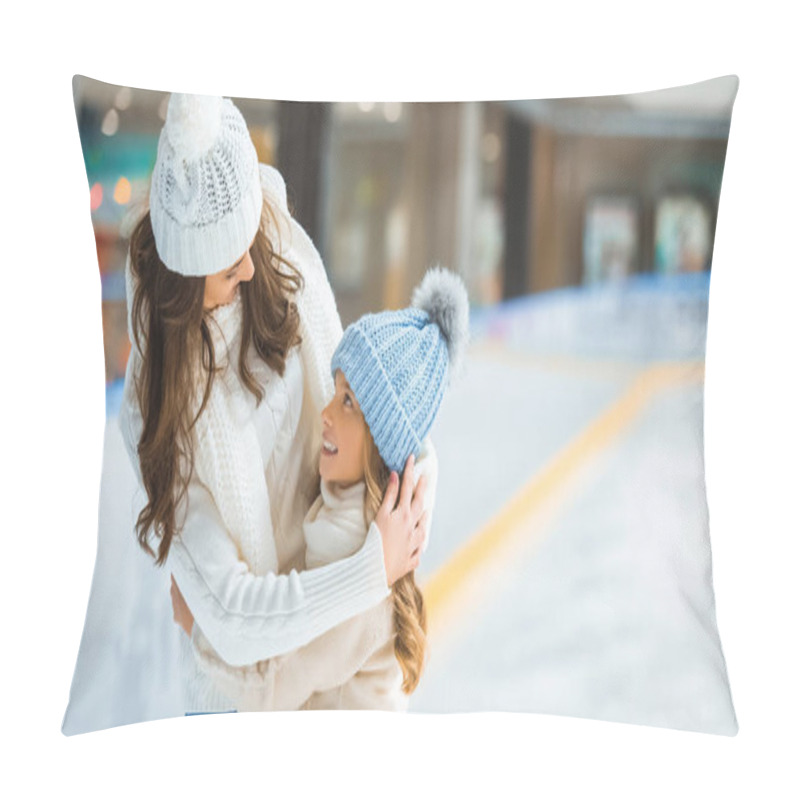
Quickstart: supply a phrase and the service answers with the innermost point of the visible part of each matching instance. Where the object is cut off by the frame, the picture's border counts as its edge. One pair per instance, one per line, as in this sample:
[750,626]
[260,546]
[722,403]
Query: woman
[233,326]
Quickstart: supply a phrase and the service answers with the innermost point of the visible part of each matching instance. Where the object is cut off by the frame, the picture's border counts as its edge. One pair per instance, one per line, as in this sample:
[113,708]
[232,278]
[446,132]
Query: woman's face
[344,431]
[221,287]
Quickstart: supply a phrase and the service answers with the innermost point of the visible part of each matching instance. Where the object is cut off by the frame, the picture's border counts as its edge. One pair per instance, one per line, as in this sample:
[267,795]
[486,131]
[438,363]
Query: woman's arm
[247,617]
[286,682]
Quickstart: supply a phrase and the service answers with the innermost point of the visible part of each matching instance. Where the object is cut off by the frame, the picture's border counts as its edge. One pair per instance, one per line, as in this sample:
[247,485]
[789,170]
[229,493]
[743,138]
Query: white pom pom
[443,296]
[193,123]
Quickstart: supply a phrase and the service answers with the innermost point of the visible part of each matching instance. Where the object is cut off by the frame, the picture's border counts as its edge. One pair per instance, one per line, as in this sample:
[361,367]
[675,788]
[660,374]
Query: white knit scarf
[227,450]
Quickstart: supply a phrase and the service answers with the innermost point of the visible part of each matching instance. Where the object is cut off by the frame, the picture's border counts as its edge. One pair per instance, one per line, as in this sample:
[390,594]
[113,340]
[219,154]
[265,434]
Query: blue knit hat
[398,363]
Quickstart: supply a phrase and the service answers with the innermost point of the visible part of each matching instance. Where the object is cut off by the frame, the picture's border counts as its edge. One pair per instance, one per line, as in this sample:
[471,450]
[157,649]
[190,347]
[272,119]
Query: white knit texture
[205,193]
[228,457]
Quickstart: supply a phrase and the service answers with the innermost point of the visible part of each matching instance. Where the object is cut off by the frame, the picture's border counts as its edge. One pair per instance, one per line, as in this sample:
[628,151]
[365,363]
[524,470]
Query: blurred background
[569,569]
[518,197]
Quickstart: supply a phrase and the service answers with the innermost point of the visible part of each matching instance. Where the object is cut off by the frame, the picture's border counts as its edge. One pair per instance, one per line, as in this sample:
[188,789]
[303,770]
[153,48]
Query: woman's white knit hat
[205,194]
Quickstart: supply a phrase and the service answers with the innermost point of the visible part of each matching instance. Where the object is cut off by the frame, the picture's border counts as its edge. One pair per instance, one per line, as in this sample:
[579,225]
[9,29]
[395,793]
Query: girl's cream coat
[356,667]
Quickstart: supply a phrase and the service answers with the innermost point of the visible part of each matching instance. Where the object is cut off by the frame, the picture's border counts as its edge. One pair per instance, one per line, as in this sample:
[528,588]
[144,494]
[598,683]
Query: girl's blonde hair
[410,620]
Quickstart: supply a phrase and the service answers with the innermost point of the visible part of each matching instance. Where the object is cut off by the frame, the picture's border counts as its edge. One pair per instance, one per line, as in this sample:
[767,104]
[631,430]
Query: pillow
[569,568]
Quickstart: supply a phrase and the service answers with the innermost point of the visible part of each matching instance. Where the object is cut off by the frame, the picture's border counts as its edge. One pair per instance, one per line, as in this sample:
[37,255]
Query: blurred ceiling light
[110,122]
[392,111]
[162,108]
[122,191]
[123,98]
[96,196]
[490,147]
[366,107]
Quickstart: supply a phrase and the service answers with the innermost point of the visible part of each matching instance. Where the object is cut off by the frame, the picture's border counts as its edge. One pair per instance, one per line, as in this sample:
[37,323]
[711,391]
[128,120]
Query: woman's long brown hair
[170,328]
[410,619]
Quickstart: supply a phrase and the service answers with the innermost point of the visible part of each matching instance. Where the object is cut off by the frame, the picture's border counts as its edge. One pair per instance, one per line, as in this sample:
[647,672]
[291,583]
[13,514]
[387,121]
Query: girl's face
[221,287]
[344,432]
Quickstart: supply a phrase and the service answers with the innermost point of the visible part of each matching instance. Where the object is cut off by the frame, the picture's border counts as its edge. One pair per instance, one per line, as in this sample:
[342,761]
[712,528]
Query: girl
[390,371]
[233,325]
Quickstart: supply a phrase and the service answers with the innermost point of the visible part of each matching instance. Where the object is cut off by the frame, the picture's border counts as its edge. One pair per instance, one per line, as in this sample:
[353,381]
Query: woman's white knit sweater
[356,663]
[238,556]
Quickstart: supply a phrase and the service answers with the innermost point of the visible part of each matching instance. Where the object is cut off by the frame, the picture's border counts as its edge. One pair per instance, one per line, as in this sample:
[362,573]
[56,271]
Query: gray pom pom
[443,296]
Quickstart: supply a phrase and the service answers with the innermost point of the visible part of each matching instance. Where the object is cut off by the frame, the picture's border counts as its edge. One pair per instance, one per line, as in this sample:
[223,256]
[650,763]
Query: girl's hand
[403,527]
[180,611]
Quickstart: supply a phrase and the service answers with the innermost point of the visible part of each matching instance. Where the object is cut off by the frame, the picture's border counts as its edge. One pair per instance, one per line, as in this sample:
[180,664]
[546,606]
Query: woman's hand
[180,611]
[403,527]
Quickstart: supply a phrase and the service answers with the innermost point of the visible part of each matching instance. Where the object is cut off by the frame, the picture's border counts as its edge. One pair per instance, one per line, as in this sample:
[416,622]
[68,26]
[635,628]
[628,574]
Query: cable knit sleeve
[247,617]
[285,683]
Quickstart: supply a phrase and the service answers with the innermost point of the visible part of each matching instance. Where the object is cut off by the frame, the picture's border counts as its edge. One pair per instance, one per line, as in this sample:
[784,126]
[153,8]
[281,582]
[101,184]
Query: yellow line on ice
[444,584]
